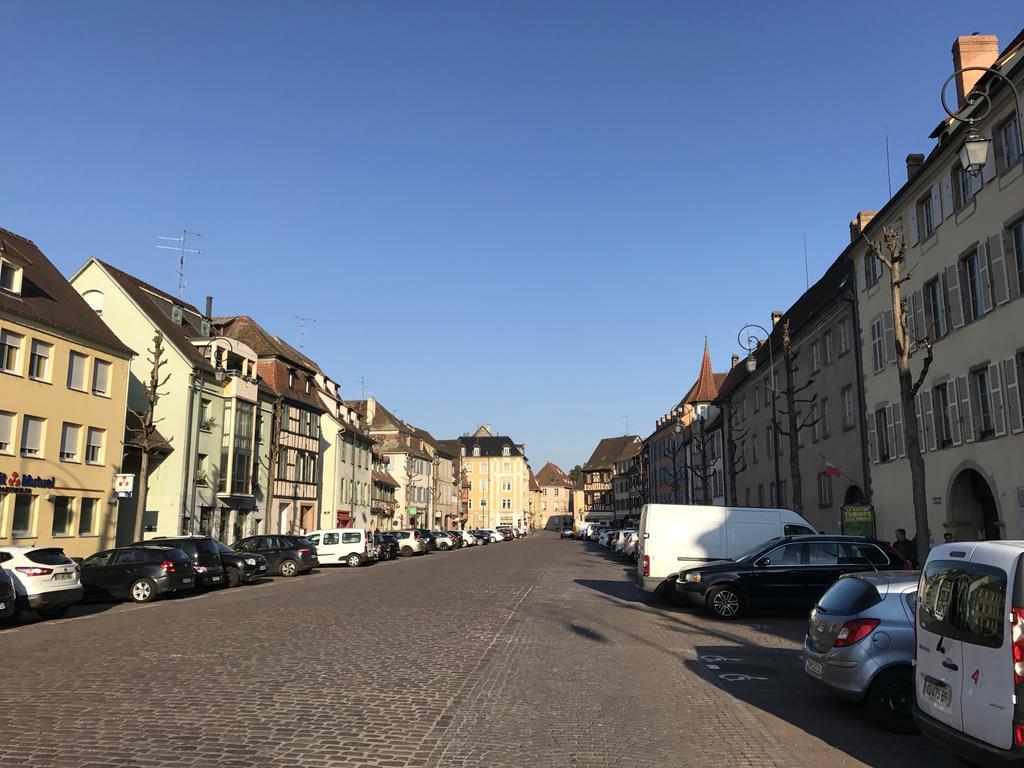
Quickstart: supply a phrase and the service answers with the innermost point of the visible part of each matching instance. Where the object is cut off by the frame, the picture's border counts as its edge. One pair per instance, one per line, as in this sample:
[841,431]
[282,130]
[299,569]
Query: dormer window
[476,450]
[10,277]
[506,451]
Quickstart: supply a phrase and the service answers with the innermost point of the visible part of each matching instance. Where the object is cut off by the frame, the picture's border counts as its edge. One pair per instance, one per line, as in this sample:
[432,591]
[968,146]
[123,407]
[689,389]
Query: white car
[45,579]
[494,534]
[469,539]
[630,549]
[352,546]
[602,537]
[444,540]
[624,537]
[410,542]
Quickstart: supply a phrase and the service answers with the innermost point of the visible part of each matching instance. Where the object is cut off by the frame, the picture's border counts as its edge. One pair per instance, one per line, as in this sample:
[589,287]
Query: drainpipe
[865,460]
[189,469]
[352,494]
[337,478]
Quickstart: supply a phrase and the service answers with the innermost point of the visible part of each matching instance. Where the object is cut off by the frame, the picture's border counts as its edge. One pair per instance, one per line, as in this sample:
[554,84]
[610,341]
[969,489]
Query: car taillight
[168,566]
[1017,644]
[1018,734]
[854,631]
[303,550]
[647,565]
[30,571]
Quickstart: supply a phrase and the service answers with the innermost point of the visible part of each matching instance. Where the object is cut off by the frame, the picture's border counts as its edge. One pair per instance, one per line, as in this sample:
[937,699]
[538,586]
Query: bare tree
[270,464]
[699,467]
[411,476]
[734,438]
[795,420]
[145,436]
[891,252]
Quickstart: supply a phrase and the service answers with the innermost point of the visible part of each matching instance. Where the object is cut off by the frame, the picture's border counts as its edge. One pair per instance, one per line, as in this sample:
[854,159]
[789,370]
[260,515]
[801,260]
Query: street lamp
[751,342]
[973,153]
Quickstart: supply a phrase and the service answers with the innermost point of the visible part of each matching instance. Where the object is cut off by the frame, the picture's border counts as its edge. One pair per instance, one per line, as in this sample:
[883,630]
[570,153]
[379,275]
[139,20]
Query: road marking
[735,677]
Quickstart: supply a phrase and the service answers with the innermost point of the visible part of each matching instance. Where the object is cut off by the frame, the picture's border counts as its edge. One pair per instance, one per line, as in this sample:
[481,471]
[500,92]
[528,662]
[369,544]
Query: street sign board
[124,485]
[858,520]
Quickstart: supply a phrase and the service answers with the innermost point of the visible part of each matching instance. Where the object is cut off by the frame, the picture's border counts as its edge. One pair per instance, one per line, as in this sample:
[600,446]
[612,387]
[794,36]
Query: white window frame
[90,446]
[843,327]
[72,356]
[15,274]
[97,366]
[71,455]
[27,427]
[10,352]
[878,355]
[7,421]
[40,350]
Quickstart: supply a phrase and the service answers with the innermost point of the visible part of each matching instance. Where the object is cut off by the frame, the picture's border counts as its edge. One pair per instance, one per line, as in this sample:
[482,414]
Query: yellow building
[63,391]
[499,480]
[554,493]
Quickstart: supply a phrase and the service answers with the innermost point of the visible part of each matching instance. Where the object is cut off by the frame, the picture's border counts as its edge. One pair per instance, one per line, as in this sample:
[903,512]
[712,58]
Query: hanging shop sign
[124,485]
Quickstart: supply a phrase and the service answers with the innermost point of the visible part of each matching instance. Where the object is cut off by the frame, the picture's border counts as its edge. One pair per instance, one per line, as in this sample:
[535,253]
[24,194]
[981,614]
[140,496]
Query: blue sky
[527,214]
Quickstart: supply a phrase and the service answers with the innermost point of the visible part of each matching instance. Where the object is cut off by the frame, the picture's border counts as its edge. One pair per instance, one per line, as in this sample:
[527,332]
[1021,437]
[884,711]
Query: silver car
[860,644]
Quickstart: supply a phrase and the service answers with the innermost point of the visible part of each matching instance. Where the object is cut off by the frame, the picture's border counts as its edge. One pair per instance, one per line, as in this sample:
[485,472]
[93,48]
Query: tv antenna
[363,385]
[626,417]
[182,249]
[302,328]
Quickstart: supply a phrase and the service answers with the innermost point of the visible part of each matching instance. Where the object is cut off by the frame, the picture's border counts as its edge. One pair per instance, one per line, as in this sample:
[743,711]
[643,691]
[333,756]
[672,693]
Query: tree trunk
[140,508]
[794,431]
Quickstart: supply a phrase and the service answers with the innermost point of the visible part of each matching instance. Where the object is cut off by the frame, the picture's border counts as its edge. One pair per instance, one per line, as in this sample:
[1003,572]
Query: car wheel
[407,551]
[142,591]
[289,568]
[724,603]
[890,700]
[353,560]
[53,613]
[442,546]
[233,577]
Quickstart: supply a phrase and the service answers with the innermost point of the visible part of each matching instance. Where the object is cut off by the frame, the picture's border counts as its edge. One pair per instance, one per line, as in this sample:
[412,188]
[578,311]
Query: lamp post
[973,152]
[750,341]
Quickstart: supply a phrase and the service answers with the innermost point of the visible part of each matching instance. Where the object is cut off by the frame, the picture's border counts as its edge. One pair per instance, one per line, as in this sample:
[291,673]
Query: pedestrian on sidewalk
[905,546]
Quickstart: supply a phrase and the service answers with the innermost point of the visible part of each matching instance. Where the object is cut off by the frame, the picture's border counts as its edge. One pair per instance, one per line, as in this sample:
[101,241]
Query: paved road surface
[531,653]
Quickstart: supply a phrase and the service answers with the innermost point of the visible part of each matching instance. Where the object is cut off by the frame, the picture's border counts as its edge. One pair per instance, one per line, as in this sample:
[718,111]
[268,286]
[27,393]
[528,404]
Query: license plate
[940,693]
[61,576]
[262,568]
[814,667]
[215,578]
[186,581]
[2,606]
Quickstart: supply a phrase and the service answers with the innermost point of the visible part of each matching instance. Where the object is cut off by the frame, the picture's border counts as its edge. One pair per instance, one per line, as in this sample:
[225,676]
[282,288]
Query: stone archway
[972,512]
[854,495]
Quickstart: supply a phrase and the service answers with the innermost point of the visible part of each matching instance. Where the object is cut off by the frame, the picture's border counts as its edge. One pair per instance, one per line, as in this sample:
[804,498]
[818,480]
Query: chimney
[861,220]
[734,360]
[209,307]
[914,162]
[975,50]
[776,316]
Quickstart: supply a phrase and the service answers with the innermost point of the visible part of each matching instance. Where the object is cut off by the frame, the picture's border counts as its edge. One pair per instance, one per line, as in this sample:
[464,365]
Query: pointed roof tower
[705,390]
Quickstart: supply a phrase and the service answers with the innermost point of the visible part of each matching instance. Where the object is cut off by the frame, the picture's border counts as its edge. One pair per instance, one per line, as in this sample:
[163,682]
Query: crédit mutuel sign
[15,483]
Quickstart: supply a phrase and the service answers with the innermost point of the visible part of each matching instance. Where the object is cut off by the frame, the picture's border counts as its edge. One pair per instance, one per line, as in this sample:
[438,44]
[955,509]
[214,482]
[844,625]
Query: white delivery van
[969,660]
[674,537]
[352,546]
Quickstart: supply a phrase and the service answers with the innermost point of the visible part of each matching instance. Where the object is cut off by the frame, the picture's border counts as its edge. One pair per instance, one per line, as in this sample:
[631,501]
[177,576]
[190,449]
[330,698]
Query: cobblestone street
[530,653]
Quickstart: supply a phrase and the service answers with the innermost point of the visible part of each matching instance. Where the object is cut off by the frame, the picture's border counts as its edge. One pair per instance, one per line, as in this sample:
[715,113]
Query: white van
[352,546]
[673,537]
[969,661]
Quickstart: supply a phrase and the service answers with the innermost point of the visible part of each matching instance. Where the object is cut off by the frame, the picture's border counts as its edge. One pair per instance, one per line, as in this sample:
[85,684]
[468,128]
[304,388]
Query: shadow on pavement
[622,590]
[772,680]
[587,632]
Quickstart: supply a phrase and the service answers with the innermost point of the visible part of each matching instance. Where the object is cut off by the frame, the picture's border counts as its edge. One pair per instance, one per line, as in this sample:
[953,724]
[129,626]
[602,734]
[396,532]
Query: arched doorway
[972,509]
[854,495]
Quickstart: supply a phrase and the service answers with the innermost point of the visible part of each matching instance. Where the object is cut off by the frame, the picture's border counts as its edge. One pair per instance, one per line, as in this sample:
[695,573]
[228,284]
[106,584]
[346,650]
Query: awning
[344,518]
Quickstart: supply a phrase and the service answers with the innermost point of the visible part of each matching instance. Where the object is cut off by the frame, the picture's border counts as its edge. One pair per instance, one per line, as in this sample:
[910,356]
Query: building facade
[964,236]
[498,476]
[64,376]
[555,494]
[599,478]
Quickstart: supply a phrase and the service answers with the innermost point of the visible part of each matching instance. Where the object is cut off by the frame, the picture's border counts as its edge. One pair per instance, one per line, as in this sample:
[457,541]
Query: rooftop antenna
[626,417]
[302,328]
[888,164]
[363,384]
[807,275]
[182,249]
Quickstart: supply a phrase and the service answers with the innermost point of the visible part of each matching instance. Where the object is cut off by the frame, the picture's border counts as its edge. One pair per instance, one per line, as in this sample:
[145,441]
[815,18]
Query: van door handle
[950,665]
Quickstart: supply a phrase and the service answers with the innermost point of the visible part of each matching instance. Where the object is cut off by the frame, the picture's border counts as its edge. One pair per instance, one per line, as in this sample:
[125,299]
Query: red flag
[832,470]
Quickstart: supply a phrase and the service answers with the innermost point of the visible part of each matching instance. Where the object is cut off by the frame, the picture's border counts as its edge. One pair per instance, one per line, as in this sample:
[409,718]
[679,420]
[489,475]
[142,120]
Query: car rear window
[206,547]
[171,553]
[849,596]
[49,557]
[350,538]
[964,601]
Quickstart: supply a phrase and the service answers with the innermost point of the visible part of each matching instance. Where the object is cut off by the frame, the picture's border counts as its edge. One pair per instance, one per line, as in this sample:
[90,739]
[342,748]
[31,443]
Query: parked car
[412,542]
[506,534]
[466,539]
[787,572]
[566,533]
[673,536]
[387,546]
[8,600]
[428,539]
[482,537]
[443,540]
[138,573]
[860,644]
[45,579]
[286,555]
[969,655]
[596,531]
[351,546]
[205,556]
[604,535]
[240,567]
[630,549]
[624,537]
[495,535]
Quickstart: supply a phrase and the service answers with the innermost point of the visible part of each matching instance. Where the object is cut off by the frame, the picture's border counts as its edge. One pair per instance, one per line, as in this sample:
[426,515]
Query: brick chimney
[915,161]
[776,316]
[975,50]
[735,359]
[860,221]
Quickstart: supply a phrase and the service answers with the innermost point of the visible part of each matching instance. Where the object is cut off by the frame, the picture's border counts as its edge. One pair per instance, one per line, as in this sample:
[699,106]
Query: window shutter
[947,195]
[911,321]
[899,449]
[997,145]
[919,411]
[890,337]
[963,393]
[997,270]
[936,206]
[996,384]
[929,422]
[920,323]
[890,430]
[913,225]
[872,442]
[1013,407]
[954,412]
[956,307]
[985,287]
[988,171]
[1011,269]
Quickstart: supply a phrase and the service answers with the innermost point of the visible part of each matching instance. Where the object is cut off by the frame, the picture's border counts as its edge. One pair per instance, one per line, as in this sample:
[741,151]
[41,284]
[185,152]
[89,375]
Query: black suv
[286,555]
[387,546]
[140,573]
[204,552]
[241,567]
[787,572]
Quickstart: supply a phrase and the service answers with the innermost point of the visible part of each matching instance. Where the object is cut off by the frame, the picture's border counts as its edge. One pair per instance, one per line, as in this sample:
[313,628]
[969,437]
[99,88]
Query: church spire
[704,390]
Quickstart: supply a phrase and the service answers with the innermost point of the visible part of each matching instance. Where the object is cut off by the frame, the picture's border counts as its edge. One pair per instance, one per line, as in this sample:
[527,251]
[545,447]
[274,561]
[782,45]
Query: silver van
[969,659]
